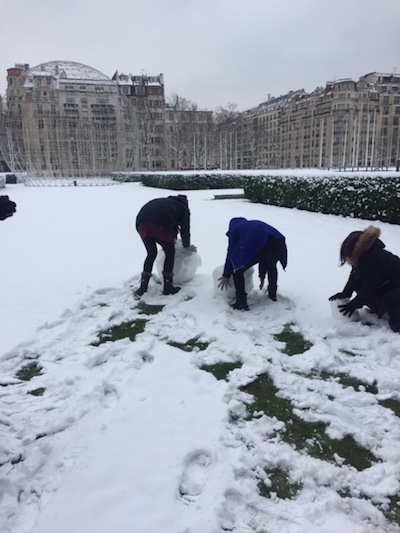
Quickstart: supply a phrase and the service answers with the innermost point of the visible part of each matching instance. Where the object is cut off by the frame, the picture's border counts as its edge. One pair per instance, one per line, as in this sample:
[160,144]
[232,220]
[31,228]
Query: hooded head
[357,243]
[234,222]
[183,198]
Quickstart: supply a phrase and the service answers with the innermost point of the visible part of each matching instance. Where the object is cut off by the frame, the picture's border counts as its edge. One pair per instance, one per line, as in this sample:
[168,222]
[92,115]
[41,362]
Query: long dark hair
[346,250]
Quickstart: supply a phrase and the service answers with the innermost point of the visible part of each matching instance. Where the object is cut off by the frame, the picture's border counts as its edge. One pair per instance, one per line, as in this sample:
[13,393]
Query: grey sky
[212,52]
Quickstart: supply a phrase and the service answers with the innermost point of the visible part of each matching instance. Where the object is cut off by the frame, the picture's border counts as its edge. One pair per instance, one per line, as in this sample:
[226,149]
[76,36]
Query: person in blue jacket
[251,242]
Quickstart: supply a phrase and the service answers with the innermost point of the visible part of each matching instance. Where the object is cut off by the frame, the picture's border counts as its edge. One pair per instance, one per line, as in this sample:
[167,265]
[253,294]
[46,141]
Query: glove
[7,207]
[224,283]
[262,283]
[337,296]
[191,248]
[347,309]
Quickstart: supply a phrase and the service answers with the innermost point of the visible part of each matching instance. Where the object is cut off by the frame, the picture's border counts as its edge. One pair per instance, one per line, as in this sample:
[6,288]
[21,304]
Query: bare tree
[226,128]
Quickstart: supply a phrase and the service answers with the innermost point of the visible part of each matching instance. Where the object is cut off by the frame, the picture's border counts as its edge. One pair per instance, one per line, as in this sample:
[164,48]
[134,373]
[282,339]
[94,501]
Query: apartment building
[346,124]
[65,119]
[146,95]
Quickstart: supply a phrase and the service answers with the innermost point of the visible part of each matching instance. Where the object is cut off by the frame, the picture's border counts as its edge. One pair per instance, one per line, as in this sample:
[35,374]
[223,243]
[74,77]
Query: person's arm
[351,286]
[184,228]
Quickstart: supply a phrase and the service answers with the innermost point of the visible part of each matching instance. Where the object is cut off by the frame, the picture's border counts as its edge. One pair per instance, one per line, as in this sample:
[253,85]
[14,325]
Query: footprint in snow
[195,474]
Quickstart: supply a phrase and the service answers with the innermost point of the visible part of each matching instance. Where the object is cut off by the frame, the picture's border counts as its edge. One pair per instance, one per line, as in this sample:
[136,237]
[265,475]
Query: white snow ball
[338,315]
[186,263]
[230,293]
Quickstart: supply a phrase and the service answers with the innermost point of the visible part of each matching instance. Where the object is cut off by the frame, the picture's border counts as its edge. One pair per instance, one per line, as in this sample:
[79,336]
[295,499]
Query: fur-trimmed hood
[358,243]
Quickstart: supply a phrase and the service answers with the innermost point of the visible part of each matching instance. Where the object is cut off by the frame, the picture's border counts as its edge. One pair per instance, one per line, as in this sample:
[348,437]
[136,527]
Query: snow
[133,436]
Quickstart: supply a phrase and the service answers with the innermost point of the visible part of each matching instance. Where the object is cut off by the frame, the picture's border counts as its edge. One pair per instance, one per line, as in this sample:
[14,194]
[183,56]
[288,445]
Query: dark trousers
[388,302]
[391,304]
[269,256]
[151,248]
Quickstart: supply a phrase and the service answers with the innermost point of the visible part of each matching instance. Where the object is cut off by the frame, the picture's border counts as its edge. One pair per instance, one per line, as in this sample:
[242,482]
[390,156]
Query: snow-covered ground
[133,436]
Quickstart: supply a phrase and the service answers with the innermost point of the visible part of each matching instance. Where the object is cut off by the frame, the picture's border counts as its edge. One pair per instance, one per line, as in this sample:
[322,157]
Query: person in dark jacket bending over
[374,277]
[158,222]
[251,242]
[7,207]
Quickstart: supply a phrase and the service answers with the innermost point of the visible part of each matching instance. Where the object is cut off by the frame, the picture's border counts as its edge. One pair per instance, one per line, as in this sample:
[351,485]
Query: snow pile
[186,264]
[122,426]
[229,293]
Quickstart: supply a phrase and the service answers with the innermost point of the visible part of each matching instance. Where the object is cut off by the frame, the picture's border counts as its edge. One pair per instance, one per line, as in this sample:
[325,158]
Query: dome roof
[68,70]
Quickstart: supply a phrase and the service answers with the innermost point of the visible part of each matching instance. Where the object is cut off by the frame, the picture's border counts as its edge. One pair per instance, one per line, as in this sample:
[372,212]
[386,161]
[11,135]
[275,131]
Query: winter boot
[168,287]
[272,293]
[144,283]
[241,302]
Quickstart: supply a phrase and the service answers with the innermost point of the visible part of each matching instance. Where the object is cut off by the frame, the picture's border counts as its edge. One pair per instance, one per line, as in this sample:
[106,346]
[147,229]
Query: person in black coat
[7,207]
[374,277]
[159,222]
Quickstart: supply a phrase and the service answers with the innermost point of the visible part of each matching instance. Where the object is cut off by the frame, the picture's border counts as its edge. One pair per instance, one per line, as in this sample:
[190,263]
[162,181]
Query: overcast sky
[212,52]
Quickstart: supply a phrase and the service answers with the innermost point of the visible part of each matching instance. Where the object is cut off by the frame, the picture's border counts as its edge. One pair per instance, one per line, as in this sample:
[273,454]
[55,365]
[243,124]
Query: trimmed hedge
[193,181]
[373,198]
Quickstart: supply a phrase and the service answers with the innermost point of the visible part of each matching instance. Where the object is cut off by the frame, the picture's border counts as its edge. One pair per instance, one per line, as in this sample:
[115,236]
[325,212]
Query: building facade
[65,119]
[146,96]
[344,125]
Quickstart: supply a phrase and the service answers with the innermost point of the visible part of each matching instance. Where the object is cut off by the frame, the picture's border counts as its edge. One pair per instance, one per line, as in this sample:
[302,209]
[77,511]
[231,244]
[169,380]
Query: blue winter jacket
[246,239]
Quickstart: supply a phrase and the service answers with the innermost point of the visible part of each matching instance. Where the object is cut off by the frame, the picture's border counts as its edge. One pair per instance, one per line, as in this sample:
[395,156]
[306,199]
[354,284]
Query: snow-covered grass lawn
[177,414]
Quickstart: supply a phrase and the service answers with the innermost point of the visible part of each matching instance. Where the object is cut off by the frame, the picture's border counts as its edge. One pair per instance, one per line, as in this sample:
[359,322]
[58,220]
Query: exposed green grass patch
[122,331]
[392,511]
[190,345]
[281,485]
[349,381]
[394,405]
[357,384]
[37,392]
[308,436]
[29,371]
[147,309]
[295,342]
[221,370]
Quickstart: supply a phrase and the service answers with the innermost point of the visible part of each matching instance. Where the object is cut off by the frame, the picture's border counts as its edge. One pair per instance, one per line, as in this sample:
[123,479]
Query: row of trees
[183,137]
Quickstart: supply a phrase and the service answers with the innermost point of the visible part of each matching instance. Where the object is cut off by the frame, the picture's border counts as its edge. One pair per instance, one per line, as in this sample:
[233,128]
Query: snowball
[230,293]
[338,315]
[186,263]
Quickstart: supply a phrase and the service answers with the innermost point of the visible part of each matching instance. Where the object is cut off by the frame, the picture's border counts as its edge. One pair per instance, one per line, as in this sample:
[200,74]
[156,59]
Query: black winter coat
[375,272]
[171,214]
